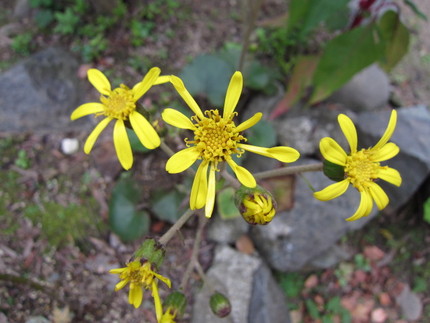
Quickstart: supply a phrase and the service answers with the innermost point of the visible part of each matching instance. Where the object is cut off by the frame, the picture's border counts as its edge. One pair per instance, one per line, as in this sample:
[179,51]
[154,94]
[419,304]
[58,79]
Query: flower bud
[151,251]
[220,304]
[333,171]
[256,205]
[176,302]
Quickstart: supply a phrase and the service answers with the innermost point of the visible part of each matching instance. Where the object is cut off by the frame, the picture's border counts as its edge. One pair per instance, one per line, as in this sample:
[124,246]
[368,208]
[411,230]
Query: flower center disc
[119,104]
[215,137]
[360,169]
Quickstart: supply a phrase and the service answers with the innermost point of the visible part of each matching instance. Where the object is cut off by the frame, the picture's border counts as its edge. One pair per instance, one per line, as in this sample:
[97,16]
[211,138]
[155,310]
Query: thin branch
[289,170]
[176,227]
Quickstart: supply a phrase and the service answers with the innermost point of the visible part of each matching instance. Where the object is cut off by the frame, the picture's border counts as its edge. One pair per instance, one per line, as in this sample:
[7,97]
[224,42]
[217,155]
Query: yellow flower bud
[256,205]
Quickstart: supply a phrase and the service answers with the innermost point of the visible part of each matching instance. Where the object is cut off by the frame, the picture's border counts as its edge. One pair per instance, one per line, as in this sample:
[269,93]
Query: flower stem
[166,149]
[194,256]
[165,238]
[232,181]
[289,170]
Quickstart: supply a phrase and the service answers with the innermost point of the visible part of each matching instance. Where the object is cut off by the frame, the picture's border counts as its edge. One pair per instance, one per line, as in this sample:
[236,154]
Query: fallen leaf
[311,281]
[373,253]
[245,245]
[384,299]
[378,315]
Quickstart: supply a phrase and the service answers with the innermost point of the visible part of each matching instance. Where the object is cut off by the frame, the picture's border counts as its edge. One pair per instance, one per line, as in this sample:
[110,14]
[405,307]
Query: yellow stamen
[119,104]
[215,137]
[361,170]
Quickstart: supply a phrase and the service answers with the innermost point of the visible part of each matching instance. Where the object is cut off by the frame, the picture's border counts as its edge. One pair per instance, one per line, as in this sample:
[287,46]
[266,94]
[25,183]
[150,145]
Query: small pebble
[69,146]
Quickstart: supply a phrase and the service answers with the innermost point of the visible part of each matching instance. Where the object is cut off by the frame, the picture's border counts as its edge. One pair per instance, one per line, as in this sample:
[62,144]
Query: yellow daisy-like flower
[140,277]
[216,139]
[120,104]
[162,317]
[361,167]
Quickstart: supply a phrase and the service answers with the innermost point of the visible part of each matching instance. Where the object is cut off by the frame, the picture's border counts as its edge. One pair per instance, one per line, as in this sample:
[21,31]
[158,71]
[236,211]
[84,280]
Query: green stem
[232,181]
[176,227]
[289,170]
[26,281]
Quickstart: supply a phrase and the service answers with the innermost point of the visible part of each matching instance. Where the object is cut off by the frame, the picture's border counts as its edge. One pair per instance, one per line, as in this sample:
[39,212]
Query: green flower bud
[333,171]
[176,302]
[151,251]
[256,205]
[220,304]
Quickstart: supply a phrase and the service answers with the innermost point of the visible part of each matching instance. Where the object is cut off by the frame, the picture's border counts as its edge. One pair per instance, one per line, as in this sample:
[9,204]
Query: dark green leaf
[343,57]
[427,210]
[262,134]
[226,206]
[167,205]
[395,37]
[312,309]
[124,219]
[208,75]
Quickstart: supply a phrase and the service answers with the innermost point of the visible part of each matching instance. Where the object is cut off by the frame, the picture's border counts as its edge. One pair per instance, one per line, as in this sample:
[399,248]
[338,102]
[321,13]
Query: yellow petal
[378,195]
[390,175]
[186,96]
[200,187]
[242,174]
[177,119]
[332,191]
[182,160]
[121,285]
[332,151]
[95,134]
[210,198]
[349,131]
[164,279]
[135,295]
[144,131]
[283,154]
[122,145]
[157,301]
[162,79]
[389,131]
[86,109]
[365,207]
[386,152]
[117,270]
[99,81]
[250,122]
[142,87]
[232,96]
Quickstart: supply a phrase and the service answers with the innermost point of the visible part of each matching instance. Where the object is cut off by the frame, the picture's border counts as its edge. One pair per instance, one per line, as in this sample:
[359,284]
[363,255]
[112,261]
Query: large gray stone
[248,283]
[38,94]
[412,135]
[297,238]
[367,90]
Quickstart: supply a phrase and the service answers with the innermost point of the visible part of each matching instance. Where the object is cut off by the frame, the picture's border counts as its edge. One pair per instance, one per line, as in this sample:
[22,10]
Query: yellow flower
[120,104]
[257,208]
[162,317]
[361,167]
[139,276]
[216,139]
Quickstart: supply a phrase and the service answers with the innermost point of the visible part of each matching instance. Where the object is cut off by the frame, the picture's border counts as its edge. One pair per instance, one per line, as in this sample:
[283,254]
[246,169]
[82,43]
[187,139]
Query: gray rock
[303,129]
[412,136]
[247,282]
[39,93]
[367,90]
[296,238]
[410,304]
[227,231]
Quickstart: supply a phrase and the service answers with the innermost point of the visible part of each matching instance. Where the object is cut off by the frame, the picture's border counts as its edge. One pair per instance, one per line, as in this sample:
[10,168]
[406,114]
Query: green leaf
[343,57]
[262,134]
[292,284]
[312,309]
[167,206]
[395,37]
[125,220]
[258,76]
[226,206]
[426,210]
[135,143]
[208,75]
